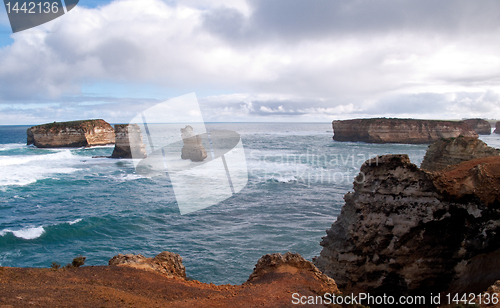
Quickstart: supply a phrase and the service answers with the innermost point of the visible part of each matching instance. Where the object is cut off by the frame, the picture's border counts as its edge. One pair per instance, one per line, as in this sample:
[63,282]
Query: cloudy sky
[256,60]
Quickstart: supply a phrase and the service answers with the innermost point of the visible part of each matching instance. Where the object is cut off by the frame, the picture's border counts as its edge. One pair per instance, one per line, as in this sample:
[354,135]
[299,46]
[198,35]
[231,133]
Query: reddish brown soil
[117,286]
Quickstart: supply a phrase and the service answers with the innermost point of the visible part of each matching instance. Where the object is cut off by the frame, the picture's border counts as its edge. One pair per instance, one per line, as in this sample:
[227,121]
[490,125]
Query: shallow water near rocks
[56,204]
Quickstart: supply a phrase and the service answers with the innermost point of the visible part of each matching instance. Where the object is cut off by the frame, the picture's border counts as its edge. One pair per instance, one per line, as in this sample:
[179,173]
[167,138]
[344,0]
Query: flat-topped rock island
[388,130]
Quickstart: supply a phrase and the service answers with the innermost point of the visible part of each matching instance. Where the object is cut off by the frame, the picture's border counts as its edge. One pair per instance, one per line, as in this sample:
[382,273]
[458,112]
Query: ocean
[56,204]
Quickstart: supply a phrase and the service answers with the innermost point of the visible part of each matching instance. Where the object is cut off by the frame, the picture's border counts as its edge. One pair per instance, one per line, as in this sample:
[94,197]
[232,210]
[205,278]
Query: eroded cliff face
[382,130]
[406,231]
[452,151]
[480,126]
[129,142]
[497,128]
[84,133]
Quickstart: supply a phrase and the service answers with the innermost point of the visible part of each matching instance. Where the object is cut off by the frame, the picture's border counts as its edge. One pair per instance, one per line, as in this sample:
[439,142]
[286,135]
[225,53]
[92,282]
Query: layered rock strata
[84,133]
[406,231]
[480,126]
[452,151]
[383,130]
[129,142]
[193,148]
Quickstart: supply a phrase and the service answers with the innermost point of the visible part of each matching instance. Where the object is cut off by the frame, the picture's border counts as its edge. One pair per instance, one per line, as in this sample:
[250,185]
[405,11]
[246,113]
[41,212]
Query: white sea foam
[75,221]
[284,179]
[27,169]
[26,233]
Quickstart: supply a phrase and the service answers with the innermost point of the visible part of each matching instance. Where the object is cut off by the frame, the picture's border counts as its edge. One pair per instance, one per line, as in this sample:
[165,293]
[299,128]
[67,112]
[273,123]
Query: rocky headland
[480,126]
[406,231]
[128,142]
[452,151]
[84,133]
[386,130]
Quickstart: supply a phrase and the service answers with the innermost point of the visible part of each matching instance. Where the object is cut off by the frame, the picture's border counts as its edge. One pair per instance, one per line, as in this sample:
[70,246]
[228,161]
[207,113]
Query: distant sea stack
[497,128]
[480,126]
[129,142]
[452,151]
[74,134]
[192,149]
[384,130]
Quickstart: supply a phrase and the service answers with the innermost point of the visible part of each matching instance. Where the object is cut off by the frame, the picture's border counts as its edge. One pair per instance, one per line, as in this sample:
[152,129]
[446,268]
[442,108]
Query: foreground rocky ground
[145,282]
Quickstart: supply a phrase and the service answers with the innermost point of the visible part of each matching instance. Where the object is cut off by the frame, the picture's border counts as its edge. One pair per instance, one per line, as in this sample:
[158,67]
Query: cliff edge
[75,134]
[407,231]
[384,130]
[480,126]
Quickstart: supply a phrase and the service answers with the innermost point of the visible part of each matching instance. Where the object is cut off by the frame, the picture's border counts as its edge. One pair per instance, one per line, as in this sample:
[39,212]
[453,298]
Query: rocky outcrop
[129,142]
[166,263]
[192,149]
[407,231]
[271,265]
[452,151]
[382,130]
[480,126]
[497,128]
[84,133]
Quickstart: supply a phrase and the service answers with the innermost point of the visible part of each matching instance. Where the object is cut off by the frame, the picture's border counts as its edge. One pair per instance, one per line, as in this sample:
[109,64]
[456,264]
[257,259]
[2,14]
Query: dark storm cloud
[299,19]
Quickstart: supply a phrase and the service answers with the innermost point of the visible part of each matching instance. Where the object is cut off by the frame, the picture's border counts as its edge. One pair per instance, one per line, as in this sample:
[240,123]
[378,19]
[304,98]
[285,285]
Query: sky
[256,60]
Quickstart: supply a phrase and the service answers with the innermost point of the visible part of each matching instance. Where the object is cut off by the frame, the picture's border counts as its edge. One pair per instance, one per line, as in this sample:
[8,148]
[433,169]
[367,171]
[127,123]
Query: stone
[497,128]
[384,130]
[129,142]
[77,134]
[451,151]
[480,126]
[165,263]
[193,148]
[406,231]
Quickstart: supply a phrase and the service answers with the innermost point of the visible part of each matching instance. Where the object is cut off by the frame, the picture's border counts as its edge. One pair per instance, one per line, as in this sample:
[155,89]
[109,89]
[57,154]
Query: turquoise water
[56,204]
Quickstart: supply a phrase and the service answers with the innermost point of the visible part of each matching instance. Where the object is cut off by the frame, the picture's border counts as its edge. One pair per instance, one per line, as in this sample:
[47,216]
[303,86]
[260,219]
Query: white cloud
[260,67]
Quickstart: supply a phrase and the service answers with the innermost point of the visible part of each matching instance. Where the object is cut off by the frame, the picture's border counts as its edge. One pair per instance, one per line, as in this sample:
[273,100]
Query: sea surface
[56,204]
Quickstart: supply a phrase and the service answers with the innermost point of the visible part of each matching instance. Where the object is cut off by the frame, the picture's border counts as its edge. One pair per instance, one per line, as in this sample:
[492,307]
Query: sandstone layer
[193,148]
[480,126]
[383,130]
[274,281]
[128,142]
[452,151]
[407,231]
[84,133]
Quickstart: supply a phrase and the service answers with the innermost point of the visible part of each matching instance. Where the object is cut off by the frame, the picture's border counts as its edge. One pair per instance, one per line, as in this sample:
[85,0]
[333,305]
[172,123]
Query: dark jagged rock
[192,149]
[406,231]
[84,133]
[452,151]
[480,126]
[383,130]
[129,142]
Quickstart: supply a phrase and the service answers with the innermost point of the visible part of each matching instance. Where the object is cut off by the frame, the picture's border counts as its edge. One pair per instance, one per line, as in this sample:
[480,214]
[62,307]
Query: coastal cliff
[128,142]
[452,151]
[497,128]
[407,231]
[480,126]
[383,130]
[77,134]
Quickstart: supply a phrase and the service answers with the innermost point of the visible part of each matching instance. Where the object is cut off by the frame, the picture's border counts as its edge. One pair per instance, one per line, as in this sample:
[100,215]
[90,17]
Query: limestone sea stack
[497,128]
[72,134]
[452,151]
[409,232]
[480,126]
[192,149]
[129,142]
[384,130]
